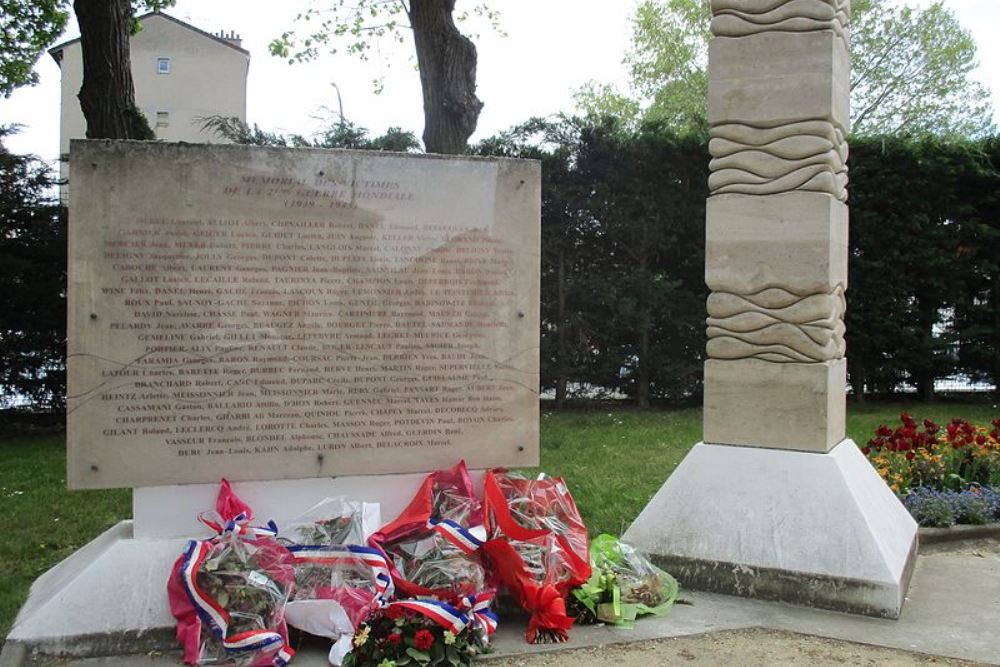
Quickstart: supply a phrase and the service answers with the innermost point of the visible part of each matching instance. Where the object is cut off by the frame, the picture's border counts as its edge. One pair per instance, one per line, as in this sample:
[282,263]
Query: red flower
[394,638]
[980,440]
[423,640]
[883,431]
[909,456]
[393,613]
[866,450]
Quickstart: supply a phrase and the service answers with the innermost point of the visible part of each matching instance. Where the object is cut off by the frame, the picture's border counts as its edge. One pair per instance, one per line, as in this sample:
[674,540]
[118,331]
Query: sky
[550,48]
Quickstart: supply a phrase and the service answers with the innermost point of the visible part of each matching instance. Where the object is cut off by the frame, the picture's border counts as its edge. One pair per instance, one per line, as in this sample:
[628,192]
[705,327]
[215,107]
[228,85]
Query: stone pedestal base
[110,596]
[816,529]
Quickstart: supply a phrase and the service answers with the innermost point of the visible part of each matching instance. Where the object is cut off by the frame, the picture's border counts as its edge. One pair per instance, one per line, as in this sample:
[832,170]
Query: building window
[163,65]
[162,119]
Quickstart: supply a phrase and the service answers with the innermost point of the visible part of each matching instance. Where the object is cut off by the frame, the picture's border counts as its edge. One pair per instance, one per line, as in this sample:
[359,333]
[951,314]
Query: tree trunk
[562,363]
[642,373]
[925,373]
[994,349]
[107,96]
[447,61]
[642,381]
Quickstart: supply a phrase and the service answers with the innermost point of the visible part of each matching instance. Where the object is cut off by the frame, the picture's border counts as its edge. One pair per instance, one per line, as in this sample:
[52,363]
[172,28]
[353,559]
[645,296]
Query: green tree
[33,274]
[445,57]
[910,69]
[342,134]
[911,206]
[26,29]
[910,72]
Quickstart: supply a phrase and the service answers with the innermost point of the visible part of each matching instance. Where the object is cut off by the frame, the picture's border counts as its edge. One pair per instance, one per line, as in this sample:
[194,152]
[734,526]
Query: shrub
[930,507]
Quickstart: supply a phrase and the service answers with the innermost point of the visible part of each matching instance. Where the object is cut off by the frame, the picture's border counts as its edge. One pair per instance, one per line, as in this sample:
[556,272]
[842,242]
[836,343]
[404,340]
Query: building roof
[56,51]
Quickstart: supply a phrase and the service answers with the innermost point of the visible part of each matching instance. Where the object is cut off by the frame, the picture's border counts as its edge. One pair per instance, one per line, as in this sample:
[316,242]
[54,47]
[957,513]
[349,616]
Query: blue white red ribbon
[237,525]
[456,534]
[217,618]
[473,611]
[331,554]
[443,614]
[478,609]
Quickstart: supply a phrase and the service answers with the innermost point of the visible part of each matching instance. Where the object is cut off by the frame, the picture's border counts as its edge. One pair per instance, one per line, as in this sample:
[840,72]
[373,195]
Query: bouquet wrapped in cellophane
[338,580]
[332,521]
[228,592]
[624,585]
[432,547]
[537,546]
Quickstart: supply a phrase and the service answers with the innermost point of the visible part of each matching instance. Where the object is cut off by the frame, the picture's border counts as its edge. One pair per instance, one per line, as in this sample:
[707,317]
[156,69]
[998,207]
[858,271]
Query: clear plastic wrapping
[433,546]
[537,547]
[624,585]
[332,521]
[238,584]
[432,561]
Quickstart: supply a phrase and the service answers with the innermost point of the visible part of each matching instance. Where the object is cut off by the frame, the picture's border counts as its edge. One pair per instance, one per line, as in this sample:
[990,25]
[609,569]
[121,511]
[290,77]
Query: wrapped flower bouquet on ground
[228,593]
[537,547]
[338,580]
[433,547]
[333,521]
[424,632]
[624,585]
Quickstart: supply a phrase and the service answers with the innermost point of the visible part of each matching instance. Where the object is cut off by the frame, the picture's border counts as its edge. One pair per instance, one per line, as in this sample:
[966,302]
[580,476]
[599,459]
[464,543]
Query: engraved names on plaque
[261,313]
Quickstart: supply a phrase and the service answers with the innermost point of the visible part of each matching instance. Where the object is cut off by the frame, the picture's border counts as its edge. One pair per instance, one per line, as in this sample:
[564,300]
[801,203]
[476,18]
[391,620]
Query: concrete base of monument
[110,596]
[821,530]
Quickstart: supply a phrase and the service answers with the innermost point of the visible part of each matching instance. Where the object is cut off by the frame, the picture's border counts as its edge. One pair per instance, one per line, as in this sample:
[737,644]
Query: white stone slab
[270,313]
[820,529]
[164,512]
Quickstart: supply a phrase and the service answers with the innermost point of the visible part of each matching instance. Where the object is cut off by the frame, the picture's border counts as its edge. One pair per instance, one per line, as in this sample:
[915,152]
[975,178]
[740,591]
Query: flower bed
[943,476]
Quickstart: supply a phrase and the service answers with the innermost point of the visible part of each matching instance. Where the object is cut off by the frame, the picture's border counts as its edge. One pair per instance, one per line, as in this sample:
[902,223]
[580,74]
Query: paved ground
[746,648]
[952,612]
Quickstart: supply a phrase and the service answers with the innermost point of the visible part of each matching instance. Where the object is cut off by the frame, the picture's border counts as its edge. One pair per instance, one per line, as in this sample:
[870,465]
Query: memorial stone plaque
[266,313]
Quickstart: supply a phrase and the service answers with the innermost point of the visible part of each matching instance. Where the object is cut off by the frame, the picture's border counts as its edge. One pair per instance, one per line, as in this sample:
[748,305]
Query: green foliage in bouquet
[397,638]
[234,579]
[624,585]
[336,530]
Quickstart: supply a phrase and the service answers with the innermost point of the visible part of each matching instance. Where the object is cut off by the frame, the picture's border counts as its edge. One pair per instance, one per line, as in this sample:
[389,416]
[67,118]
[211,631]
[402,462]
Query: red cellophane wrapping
[429,549]
[228,592]
[537,546]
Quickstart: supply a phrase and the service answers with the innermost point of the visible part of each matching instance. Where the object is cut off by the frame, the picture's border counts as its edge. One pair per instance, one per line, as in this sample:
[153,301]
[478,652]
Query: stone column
[776,503]
[776,241]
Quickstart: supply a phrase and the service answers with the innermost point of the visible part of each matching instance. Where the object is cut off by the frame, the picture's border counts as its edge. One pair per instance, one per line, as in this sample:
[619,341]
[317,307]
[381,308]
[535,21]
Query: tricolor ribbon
[442,613]
[473,611]
[478,609]
[331,554]
[238,525]
[217,618]
[456,534]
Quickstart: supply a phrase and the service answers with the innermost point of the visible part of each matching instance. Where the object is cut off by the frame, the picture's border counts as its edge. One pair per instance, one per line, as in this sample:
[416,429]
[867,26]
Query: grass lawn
[613,461]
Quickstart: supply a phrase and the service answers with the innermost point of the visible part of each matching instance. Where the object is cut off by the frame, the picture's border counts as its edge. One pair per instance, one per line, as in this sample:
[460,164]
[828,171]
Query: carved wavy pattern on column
[739,18]
[777,325]
[808,155]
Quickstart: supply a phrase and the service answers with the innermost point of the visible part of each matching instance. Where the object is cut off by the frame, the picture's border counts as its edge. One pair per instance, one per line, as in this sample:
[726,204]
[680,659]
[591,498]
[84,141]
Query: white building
[182,75]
